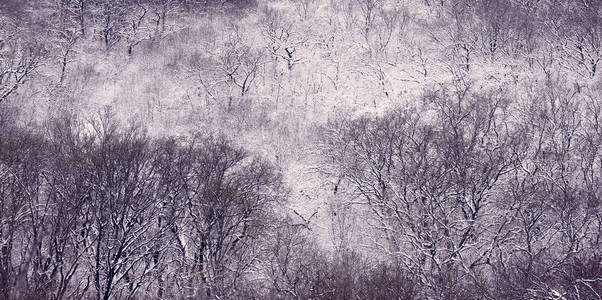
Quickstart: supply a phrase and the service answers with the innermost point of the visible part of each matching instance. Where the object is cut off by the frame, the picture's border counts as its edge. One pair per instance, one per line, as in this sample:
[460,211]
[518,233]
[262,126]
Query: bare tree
[495,21]
[19,56]
[137,26]
[77,12]
[240,62]
[577,33]
[305,8]
[161,10]
[109,18]
[284,38]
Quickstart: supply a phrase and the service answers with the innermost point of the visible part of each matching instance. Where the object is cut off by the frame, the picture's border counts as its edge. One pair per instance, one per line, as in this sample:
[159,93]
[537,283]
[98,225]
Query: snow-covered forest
[300,149]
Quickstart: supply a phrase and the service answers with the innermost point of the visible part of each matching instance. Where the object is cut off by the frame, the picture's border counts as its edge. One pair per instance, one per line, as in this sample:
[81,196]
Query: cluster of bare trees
[480,195]
[99,209]
[543,34]
[58,33]
[20,49]
[104,211]
[472,191]
[519,36]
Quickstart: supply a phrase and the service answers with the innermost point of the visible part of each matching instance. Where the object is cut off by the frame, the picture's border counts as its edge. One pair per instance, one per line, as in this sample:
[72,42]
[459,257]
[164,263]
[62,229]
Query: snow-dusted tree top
[302,149]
